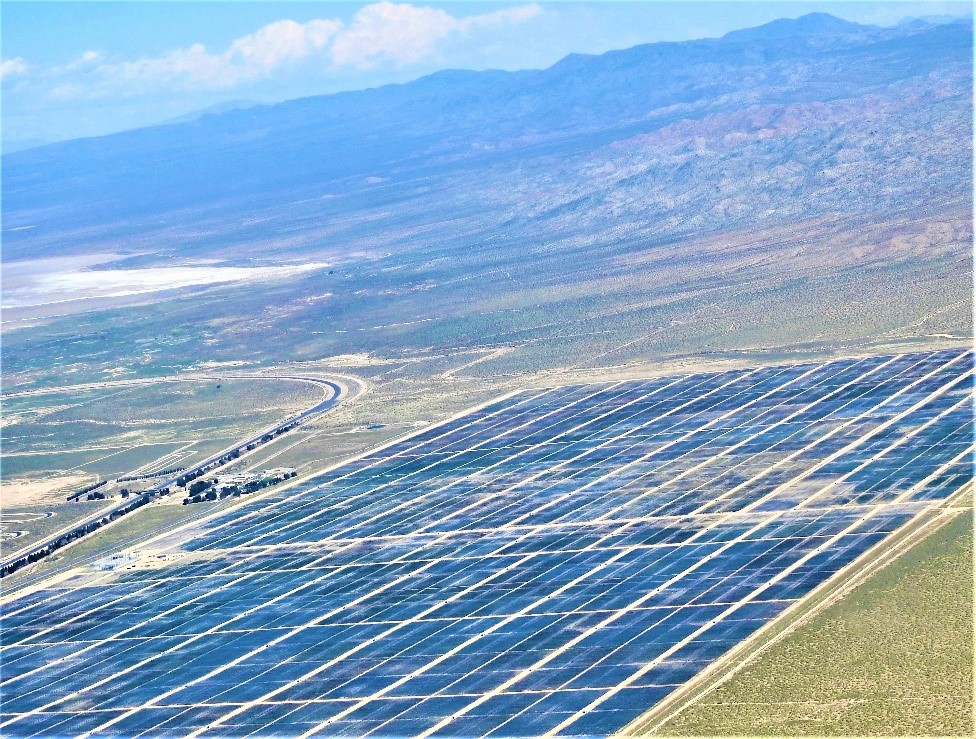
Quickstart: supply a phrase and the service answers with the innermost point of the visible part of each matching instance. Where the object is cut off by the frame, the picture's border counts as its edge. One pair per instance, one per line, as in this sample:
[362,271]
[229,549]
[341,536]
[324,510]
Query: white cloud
[505,16]
[380,33]
[192,66]
[86,60]
[400,33]
[404,34]
[250,57]
[12,67]
[280,42]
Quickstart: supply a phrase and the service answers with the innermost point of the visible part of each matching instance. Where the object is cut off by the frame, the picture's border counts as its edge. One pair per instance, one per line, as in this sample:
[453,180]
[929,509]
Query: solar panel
[553,563]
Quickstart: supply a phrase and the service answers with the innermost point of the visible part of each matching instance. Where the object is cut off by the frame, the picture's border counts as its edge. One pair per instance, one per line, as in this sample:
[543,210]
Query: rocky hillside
[795,119]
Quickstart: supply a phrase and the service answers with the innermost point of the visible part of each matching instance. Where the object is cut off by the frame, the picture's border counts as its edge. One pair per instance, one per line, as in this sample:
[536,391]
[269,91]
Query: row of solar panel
[559,562]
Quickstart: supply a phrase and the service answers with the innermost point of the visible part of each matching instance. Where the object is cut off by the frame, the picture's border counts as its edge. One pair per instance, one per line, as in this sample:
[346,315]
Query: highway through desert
[333,393]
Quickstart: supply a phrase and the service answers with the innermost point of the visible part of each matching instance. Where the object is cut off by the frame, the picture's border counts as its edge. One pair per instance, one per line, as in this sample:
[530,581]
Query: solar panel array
[553,563]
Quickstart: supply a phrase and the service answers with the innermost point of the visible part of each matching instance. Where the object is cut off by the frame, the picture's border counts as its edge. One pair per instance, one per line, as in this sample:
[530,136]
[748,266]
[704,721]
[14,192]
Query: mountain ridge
[811,24]
[456,125]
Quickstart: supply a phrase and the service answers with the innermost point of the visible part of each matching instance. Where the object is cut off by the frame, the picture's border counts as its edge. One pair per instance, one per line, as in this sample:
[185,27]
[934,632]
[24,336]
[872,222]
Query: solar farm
[554,563]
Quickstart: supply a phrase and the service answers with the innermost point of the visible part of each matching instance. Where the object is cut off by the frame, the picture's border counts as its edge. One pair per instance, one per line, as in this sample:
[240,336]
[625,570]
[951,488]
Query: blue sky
[75,69]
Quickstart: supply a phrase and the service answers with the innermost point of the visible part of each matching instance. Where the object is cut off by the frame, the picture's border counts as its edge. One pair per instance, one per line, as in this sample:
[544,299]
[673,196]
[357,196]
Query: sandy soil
[22,492]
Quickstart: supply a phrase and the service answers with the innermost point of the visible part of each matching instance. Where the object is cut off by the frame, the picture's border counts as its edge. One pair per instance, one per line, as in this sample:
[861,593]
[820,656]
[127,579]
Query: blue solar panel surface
[554,563]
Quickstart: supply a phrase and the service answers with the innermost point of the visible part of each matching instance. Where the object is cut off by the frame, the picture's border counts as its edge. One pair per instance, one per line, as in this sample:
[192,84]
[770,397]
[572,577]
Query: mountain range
[804,186]
[691,135]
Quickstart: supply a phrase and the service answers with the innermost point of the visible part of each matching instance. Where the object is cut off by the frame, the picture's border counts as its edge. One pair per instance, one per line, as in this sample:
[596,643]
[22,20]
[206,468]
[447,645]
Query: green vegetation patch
[22,526]
[894,657]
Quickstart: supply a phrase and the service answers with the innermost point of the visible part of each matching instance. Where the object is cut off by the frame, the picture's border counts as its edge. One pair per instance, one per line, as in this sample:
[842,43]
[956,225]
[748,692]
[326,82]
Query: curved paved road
[46,546]
[331,400]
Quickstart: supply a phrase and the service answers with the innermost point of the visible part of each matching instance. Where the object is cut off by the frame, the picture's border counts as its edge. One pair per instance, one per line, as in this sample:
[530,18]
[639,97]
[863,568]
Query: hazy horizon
[77,70]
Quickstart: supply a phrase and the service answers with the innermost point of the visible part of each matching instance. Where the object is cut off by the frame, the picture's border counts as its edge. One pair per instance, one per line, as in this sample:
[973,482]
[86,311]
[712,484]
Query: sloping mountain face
[796,118]
[805,186]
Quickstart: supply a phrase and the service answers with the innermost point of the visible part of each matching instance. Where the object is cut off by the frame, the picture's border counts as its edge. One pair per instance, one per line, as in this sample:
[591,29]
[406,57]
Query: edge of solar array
[925,523]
